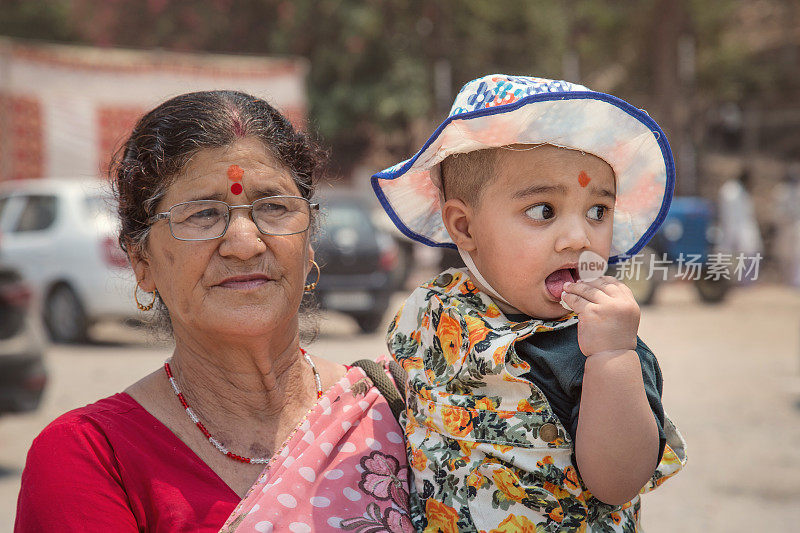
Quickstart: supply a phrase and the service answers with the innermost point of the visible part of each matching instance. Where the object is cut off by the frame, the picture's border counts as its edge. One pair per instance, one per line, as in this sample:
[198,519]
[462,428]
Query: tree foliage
[374,62]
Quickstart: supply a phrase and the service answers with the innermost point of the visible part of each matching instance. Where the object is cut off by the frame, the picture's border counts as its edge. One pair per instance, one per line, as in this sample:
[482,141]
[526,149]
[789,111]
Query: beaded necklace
[217,444]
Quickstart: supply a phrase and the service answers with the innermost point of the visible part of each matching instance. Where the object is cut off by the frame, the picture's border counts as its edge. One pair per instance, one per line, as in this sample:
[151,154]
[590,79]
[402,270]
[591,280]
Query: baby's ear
[457,216]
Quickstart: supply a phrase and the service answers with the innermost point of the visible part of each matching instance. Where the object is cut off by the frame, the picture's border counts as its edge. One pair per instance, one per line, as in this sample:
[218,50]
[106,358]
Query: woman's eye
[272,208]
[597,212]
[206,213]
[540,212]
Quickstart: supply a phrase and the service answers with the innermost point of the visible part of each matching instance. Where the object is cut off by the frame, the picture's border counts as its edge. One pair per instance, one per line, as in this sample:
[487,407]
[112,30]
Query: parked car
[356,259]
[687,231]
[62,236]
[22,374]
[405,246]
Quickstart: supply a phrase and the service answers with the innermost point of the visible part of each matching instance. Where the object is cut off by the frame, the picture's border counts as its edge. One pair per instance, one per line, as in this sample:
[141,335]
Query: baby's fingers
[575,302]
[582,290]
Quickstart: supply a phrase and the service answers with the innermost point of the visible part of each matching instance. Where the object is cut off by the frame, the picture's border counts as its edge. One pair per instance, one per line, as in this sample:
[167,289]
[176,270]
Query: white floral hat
[499,110]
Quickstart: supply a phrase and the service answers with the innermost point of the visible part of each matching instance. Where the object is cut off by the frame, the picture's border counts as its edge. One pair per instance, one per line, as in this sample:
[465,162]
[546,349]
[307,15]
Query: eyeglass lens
[208,219]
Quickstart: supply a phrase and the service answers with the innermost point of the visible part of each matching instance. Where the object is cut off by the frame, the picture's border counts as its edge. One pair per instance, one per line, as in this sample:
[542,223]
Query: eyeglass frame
[167,215]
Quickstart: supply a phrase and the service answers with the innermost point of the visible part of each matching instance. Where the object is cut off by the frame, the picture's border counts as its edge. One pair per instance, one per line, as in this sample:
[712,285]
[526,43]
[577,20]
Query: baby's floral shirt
[487,452]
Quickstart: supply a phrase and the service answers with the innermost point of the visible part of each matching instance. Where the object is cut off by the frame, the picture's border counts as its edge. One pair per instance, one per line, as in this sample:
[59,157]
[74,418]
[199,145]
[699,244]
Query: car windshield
[3,203]
[38,213]
[347,216]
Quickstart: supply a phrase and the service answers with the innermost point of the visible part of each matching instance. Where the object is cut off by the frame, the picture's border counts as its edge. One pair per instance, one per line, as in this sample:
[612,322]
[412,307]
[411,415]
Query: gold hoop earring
[139,304]
[312,286]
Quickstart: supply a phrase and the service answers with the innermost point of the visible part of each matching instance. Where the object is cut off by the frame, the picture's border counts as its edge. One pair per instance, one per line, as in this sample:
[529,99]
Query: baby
[523,415]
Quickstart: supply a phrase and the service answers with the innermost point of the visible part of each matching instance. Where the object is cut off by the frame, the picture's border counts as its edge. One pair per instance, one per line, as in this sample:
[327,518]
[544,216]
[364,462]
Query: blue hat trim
[634,112]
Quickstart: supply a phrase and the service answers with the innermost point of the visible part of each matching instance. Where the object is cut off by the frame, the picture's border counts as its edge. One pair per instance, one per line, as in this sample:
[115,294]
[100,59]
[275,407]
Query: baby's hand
[608,315]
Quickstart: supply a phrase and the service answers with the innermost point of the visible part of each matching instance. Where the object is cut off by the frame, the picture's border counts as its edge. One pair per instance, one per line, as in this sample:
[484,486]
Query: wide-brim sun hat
[500,110]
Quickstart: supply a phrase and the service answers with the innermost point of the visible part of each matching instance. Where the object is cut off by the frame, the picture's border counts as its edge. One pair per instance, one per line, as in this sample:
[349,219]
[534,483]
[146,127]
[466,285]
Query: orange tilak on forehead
[235,174]
[583,178]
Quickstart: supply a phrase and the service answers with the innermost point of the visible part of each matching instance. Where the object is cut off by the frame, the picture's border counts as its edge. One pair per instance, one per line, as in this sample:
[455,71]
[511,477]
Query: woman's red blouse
[112,466]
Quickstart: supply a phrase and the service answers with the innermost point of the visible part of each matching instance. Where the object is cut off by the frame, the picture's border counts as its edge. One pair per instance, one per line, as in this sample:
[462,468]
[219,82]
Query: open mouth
[555,281]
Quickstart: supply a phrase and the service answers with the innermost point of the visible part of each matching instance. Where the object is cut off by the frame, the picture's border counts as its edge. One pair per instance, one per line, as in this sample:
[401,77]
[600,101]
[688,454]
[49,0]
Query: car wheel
[369,323]
[644,290]
[64,316]
[712,291]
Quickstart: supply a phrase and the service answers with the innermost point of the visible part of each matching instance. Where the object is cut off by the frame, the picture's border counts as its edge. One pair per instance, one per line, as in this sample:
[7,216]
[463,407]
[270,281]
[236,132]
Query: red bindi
[235,173]
[583,178]
[236,188]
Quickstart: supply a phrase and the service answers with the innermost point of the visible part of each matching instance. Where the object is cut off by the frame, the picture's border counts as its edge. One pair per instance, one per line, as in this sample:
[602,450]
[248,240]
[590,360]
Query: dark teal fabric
[557,370]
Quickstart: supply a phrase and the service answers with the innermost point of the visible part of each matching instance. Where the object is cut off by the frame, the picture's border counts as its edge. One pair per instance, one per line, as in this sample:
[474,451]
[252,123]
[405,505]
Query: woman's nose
[242,239]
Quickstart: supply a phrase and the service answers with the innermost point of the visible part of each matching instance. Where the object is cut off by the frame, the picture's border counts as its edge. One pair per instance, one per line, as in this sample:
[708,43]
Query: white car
[62,236]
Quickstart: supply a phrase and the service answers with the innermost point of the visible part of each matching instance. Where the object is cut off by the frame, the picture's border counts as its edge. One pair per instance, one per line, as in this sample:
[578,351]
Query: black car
[22,374]
[356,260]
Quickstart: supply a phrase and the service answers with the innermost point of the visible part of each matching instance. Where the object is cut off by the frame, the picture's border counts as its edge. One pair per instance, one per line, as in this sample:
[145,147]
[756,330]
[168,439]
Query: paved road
[731,377]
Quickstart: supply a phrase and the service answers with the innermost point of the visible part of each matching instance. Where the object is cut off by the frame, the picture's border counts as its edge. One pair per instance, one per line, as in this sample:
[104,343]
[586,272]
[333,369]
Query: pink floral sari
[344,468]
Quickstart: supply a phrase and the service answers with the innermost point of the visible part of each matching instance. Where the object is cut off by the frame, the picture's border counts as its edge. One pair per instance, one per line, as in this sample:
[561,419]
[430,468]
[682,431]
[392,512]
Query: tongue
[555,282]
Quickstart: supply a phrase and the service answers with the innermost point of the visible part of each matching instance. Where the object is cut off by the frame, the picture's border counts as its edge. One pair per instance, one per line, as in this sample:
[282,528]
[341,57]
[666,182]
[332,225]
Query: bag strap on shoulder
[392,388]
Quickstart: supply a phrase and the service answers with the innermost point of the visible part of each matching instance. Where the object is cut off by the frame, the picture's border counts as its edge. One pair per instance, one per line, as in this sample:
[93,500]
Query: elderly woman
[241,429]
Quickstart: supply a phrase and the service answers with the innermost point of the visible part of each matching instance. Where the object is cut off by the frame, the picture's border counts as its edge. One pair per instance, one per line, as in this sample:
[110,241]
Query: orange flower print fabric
[508,483]
[476,428]
[441,518]
[457,422]
[516,524]
[449,334]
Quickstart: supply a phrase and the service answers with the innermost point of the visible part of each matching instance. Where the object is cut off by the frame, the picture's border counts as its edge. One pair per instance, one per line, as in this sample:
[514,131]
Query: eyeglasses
[203,220]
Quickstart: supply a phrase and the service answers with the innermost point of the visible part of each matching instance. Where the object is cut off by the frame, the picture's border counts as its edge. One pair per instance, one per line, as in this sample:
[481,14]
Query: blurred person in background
[737,219]
[786,224]
[241,428]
